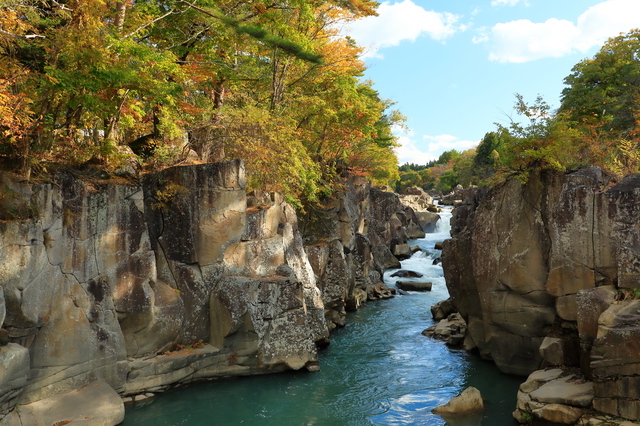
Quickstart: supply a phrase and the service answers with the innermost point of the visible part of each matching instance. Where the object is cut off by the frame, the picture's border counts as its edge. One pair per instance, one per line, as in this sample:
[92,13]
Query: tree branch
[143,26]
[20,36]
[199,9]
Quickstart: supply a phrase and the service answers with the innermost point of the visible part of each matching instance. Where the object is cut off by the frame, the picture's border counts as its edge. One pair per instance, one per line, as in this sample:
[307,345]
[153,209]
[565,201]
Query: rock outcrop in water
[126,289]
[548,274]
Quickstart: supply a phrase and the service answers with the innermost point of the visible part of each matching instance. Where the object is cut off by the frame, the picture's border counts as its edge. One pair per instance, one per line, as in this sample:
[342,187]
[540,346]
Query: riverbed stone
[614,360]
[568,390]
[619,396]
[566,307]
[414,231]
[333,275]
[428,220]
[442,309]
[468,402]
[414,285]
[561,350]
[180,366]
[556,396]
[376,292]
[402,251]
[402,273]
[3,309]
[266,318]
[452,330]
[558,414]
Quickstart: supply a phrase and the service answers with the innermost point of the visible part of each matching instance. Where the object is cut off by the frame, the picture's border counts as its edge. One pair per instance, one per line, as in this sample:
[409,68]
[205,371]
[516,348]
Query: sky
[453,67]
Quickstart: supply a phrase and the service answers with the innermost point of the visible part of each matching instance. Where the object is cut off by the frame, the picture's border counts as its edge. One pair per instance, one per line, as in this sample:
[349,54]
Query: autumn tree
[271,82]
[602,101]
[605,90]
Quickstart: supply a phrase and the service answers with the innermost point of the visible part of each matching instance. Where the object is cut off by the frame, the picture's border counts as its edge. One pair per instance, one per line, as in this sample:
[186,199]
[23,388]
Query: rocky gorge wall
[111,290]
[547,274]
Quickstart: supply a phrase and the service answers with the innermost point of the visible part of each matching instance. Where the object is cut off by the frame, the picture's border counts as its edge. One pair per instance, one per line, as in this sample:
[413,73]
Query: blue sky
[453,66]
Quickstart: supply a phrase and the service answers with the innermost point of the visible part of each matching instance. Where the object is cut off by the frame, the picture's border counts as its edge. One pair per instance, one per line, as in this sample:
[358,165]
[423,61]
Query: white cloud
[408,152]
[441,143]
[506,2]
[421,150]
[607,19]
[398,22]
[481,36]
[523,40]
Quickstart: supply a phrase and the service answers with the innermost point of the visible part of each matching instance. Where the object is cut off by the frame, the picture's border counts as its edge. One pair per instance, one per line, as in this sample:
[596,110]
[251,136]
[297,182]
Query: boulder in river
[414,285]
[468,402]
[442,309]
[403,273]
[428,220]
[452,330]
[402,251]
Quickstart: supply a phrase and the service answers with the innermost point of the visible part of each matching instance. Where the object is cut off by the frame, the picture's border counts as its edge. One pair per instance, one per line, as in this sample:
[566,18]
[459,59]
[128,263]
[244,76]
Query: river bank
[397,384]
[378,370]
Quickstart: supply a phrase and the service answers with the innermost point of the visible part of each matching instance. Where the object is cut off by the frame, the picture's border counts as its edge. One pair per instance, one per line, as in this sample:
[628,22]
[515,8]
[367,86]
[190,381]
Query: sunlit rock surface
[178,278]
[546,274]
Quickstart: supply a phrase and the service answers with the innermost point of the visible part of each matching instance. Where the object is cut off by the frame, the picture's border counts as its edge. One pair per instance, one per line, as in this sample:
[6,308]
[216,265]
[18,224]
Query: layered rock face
[109,277]
[360,233]
[547,274]
[126,289]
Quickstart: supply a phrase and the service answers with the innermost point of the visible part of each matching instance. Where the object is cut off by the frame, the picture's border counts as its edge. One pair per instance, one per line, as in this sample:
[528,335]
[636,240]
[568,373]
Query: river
[378,370]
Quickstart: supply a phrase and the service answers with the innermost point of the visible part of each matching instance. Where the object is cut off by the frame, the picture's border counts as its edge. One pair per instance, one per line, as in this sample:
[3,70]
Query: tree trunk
[279,70]
[121,13]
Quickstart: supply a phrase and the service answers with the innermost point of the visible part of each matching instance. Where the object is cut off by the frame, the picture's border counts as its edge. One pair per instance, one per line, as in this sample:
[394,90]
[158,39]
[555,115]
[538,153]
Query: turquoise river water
[378,370]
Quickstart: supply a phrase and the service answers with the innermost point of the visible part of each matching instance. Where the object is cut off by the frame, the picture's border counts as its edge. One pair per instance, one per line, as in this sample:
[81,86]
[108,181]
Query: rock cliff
[119,289]
[358,234]
[548,273]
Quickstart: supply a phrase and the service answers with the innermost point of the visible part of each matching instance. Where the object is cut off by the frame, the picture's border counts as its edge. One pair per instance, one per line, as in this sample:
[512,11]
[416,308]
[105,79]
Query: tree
[271,82]
[487,159]
[543,141]
[464,168]
[602,101]
[447,156]
[605,91]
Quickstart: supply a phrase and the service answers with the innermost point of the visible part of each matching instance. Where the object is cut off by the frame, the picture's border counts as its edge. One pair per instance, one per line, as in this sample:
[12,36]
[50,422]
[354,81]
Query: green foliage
[448,156]
[544,141]
[170,193]
[601,102]
[605,90]
[272,82]
[464,168]
[527,417]
[488,152]
[632,293]
[597,123]
[416,167]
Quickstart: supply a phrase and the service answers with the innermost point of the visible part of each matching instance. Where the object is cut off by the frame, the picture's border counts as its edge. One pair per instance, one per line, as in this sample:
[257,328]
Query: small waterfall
[443,226]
